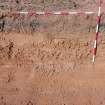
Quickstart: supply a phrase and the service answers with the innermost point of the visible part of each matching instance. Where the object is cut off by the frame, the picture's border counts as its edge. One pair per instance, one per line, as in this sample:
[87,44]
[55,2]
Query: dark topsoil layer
[49,24]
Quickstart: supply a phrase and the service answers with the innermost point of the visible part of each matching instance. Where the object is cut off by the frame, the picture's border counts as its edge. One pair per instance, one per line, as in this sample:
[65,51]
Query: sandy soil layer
[38,70]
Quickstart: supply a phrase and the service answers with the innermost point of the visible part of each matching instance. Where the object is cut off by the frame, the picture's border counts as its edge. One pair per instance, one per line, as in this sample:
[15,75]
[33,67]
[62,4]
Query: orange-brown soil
[38,70]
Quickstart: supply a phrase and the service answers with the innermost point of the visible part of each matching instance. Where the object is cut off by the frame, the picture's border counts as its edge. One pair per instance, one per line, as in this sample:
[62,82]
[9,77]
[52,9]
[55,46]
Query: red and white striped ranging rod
[97,33]
[53,13]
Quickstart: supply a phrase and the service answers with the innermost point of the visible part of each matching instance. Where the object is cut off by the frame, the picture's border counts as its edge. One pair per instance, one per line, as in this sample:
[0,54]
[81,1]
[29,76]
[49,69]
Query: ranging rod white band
[23,12]
[89,12]
[95,44]
[56,13]
[99,11]
[93,60]
[97,28]
[39,13]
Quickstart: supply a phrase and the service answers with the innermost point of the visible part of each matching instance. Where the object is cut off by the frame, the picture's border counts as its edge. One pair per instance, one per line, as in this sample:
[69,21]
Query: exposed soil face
[38,70]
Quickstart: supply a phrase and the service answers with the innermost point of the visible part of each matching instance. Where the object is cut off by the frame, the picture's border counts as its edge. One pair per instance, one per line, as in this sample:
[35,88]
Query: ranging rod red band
[98,19]
[94,51]
[32,13]
[97,34]
[64,13]
[100,2]
[81,13]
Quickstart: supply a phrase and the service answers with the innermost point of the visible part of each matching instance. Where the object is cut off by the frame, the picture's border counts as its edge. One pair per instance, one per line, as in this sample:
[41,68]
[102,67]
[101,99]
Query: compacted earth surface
[48,60]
